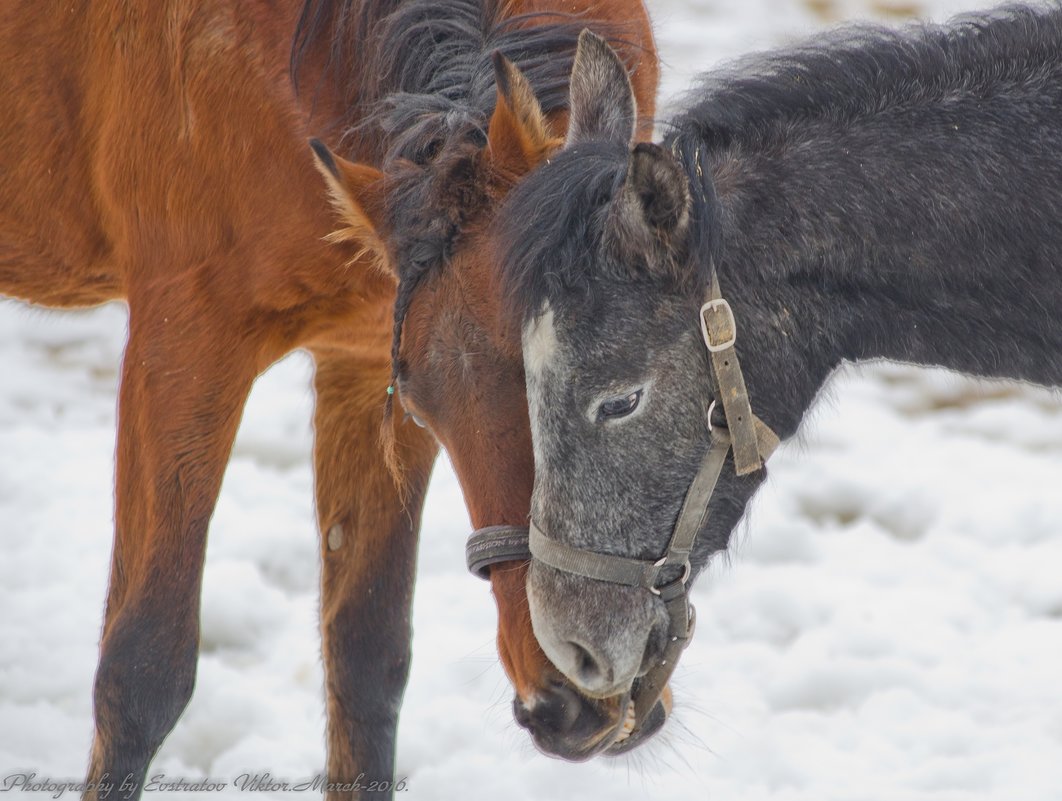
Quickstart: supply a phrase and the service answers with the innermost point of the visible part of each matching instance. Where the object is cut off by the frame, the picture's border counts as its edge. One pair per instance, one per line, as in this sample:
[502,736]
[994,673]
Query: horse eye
[615,408]
[417,420]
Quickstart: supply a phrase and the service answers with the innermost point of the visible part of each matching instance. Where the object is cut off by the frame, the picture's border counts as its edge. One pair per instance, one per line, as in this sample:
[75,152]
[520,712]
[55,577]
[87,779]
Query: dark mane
[858,71]
[551,225]
[437,67]
[420,71]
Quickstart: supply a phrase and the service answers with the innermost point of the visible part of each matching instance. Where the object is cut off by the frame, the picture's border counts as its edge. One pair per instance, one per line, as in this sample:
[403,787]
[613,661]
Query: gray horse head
[830,171]
[608,265]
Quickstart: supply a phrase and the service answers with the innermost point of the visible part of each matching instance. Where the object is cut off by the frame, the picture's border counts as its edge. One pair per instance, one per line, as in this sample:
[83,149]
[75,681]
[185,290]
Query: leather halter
[752,443]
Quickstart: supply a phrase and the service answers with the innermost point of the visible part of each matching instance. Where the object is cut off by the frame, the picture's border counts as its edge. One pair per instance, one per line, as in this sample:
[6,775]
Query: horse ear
[602,104]
[658,183]
[519,136]
[356,192]
[652,213]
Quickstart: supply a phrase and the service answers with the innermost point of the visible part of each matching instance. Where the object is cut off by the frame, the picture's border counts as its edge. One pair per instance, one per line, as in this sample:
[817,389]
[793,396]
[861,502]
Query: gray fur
[873,195]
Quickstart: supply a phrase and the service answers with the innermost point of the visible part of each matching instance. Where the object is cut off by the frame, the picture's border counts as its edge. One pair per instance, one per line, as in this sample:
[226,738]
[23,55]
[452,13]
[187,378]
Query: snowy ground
[889,626]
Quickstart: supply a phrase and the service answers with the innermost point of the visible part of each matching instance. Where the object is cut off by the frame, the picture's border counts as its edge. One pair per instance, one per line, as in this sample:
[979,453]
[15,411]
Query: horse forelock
[557,233]
[428,206]
[553,223]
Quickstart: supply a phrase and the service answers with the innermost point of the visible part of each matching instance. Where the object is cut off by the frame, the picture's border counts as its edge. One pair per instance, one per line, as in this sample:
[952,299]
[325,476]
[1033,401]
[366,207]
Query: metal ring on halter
[686,570]
[711,408]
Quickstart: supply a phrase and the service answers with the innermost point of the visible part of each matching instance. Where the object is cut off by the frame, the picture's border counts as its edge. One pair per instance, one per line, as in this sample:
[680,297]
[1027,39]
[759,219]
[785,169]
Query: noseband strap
[643,572]
[752,443]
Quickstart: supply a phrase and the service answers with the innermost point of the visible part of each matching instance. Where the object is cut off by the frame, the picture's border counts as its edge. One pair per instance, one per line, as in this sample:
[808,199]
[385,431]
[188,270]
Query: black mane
[553,223]
[857,71]
[419,72]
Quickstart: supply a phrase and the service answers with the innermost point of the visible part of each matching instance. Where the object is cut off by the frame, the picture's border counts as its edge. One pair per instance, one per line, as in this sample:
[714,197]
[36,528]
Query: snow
[888,625]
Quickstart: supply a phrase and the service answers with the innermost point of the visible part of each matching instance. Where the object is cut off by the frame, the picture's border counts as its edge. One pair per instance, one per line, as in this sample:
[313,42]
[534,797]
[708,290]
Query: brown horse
[155,151]
[427,213]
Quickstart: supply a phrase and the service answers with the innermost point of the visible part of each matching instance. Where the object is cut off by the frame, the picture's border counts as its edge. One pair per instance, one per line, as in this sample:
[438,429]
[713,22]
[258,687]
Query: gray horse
[871,194]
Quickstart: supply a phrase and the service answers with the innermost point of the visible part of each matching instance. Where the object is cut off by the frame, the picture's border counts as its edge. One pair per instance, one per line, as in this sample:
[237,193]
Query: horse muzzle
[564,721]
[565,724]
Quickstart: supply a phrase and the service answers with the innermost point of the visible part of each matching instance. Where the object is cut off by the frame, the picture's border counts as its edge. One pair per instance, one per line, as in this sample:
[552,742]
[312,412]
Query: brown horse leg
[184,383]
[368,548]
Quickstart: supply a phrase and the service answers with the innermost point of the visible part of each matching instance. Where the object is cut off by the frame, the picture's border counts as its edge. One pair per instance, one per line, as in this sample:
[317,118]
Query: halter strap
[643,572]
[753,441]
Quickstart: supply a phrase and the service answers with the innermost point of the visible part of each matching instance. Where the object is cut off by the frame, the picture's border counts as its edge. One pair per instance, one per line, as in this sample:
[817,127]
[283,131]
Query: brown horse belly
[52,248]
[143,144]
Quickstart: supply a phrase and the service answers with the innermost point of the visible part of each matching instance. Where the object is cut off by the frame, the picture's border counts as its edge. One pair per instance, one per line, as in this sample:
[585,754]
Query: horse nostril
[523,716]
[588,670]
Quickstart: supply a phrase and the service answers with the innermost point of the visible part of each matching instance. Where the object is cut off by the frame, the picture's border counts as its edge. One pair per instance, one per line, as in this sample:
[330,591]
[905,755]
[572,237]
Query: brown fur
[154,151]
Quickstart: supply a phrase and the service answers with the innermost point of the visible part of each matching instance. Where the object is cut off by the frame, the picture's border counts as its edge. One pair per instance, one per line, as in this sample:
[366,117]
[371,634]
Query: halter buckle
[718,305]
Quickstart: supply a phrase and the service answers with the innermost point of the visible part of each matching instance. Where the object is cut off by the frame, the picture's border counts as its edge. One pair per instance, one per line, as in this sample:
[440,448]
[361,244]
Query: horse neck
[929,234]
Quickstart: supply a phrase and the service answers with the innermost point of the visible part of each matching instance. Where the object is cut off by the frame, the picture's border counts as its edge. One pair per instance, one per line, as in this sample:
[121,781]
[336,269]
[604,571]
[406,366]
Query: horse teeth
[629,723]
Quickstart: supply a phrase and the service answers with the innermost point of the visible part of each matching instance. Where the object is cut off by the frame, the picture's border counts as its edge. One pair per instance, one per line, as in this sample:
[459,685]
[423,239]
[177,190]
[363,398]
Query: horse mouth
[581,728]
[631,733]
